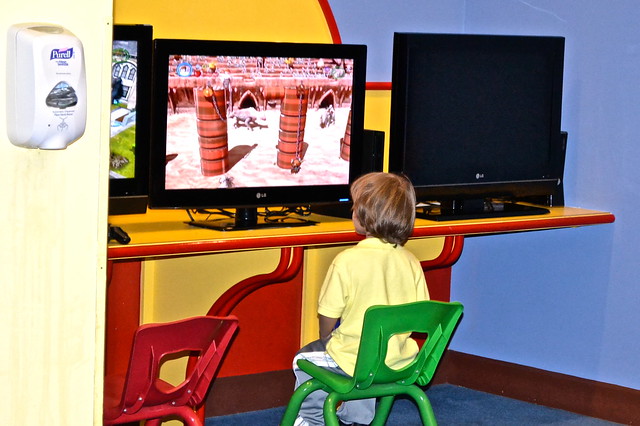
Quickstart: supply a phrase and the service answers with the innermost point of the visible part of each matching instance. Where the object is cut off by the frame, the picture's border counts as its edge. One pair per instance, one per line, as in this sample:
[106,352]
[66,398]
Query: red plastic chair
[142,395]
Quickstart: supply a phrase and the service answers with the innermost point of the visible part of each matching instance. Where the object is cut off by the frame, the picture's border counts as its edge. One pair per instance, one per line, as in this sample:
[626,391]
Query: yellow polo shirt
[371,273]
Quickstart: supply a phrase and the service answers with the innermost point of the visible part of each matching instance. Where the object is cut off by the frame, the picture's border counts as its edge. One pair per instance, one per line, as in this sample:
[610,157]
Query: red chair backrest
[207,337]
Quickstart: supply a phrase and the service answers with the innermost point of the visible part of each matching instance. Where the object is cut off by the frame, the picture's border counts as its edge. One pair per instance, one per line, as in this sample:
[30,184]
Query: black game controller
[118,234]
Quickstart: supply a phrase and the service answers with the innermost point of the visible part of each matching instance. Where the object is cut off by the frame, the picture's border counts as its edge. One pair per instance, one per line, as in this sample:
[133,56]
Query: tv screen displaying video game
[247,121]
[130,110]
[245,124]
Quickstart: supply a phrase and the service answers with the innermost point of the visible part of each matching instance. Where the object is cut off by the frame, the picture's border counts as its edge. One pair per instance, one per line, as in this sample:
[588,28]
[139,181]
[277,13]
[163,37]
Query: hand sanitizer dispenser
[46,86]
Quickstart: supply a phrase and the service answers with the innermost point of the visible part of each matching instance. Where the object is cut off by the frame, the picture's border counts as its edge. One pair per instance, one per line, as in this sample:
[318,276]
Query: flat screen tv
[244,125]
[130,118]
[475,122]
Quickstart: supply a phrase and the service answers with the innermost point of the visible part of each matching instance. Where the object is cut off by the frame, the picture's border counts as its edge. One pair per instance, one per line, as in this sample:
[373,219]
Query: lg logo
[479,176]
[261,195]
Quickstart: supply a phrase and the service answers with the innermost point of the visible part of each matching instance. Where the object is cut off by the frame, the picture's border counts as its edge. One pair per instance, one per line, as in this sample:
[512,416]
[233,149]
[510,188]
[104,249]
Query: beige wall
[53,214]
[53,219]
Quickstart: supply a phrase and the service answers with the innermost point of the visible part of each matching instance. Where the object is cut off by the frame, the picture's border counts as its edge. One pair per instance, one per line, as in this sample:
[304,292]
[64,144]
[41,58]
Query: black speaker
[372,151]
[557,198]
[372,161]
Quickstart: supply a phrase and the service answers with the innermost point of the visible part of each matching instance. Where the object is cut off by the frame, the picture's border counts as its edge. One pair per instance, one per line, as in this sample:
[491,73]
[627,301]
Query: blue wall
[562,300]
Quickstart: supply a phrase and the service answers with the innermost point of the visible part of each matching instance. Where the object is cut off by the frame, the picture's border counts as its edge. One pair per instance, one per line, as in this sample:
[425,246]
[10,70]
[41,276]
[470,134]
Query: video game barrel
[293,116]
[211,113]
[345,143]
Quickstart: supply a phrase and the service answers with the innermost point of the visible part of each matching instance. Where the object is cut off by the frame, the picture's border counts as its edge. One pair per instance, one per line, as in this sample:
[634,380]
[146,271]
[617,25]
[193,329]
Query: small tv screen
[130,118]
[251,124]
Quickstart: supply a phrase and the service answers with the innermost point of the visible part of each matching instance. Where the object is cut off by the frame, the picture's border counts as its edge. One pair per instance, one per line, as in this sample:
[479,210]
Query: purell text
[61,53]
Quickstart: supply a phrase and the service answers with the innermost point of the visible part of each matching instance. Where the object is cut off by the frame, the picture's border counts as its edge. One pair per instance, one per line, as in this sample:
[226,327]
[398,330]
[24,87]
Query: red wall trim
[378,85]
[331,21]
[288,267]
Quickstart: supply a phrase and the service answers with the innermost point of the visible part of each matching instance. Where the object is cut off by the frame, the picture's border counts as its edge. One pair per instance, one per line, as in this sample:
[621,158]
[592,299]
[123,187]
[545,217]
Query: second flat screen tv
[475,121]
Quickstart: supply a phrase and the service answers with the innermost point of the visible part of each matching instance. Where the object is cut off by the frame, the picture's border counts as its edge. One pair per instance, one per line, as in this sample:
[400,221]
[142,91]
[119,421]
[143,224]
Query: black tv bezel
[130,195]
[447,191]
[255,197]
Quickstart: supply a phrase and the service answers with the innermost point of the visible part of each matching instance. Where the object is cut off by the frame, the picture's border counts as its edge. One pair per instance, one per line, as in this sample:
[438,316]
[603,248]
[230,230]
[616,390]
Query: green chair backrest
[436,319]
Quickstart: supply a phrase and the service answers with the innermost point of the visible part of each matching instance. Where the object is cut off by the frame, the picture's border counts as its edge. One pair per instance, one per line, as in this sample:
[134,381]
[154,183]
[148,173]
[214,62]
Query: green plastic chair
[372,377]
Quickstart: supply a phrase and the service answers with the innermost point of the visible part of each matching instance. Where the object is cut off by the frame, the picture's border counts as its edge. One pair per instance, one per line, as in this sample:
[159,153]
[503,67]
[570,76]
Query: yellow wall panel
[180,287]
[317,262]
[377,111]
[273,20]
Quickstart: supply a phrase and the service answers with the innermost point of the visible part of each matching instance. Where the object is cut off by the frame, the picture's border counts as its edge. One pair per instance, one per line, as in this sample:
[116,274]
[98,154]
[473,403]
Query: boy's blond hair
[385,206]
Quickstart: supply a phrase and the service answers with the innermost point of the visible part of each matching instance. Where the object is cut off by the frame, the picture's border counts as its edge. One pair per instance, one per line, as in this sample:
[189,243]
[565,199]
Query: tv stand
[477,209]
[248,218]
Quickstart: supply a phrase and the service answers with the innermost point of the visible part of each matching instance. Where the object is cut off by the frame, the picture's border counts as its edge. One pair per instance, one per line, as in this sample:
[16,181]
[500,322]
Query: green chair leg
[424,405]
[382,410]
[293,408]
[329,410]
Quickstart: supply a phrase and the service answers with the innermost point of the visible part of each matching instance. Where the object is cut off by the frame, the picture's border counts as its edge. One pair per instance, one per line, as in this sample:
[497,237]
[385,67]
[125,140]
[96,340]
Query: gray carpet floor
[453,405]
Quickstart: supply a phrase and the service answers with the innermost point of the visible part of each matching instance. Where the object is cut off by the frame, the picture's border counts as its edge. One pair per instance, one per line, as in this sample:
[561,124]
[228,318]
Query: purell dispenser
[46,86]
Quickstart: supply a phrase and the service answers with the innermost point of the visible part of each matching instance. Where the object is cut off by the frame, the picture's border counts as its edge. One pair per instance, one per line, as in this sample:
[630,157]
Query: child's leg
[359,411]
[311,409]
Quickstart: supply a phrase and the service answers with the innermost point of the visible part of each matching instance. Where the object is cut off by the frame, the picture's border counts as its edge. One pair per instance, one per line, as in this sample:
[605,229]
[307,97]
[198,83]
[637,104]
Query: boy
[377,271]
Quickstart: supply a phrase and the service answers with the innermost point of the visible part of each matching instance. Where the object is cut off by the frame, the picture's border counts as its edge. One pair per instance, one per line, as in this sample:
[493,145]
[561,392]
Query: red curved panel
[331,21]
[451,251]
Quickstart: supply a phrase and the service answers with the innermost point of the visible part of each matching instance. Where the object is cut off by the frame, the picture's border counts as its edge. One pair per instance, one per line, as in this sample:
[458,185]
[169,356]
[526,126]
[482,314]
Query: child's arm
[326,326]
